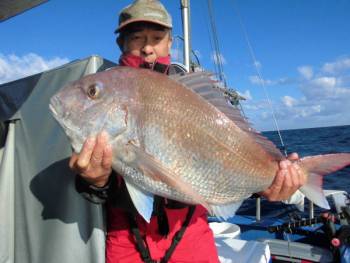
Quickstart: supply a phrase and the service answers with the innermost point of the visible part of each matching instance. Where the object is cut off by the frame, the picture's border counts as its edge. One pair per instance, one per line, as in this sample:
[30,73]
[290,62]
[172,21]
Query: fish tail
[316,167]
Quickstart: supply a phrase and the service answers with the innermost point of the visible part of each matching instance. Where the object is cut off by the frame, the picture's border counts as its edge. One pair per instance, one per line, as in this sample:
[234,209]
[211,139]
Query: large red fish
[179,138]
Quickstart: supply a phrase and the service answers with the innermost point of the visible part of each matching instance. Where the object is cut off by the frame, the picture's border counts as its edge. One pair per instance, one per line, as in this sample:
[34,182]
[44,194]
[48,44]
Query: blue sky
[302,50]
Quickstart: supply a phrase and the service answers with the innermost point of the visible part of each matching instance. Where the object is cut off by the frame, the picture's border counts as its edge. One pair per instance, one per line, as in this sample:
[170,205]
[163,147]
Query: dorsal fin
[203,84]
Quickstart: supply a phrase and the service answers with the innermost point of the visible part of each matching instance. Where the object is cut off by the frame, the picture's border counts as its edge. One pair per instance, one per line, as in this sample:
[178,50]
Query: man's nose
[147,48]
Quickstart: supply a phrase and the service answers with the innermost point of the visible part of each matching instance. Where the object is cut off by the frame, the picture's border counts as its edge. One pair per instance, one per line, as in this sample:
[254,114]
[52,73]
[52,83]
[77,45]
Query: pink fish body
[178,138]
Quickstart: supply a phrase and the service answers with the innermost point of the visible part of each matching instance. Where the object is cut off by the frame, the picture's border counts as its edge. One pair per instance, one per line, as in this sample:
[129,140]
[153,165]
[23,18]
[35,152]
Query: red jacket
[196,245]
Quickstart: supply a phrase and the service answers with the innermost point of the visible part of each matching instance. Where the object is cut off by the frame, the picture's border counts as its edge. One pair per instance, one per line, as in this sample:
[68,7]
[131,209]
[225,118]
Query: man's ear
[170,42]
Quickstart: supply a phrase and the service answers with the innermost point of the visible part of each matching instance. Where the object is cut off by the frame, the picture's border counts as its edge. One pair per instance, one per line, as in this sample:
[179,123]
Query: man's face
[148,43]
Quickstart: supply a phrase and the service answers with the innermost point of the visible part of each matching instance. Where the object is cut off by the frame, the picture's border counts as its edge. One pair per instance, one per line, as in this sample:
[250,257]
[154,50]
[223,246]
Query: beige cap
[144,10]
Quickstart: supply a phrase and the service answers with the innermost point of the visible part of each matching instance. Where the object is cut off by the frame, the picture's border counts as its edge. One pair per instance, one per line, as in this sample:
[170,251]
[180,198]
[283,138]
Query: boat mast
[185,8]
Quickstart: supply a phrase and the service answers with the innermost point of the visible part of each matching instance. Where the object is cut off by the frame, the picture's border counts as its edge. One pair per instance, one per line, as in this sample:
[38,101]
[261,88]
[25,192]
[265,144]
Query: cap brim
[121,26]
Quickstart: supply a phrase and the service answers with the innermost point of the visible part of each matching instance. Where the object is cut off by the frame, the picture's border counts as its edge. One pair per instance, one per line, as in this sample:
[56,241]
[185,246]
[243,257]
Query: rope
[261,81]
[219,62]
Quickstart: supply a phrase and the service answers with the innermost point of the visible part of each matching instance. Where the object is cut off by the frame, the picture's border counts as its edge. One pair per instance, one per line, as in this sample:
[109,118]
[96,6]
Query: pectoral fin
[142,200]
[153,168]
[225,211]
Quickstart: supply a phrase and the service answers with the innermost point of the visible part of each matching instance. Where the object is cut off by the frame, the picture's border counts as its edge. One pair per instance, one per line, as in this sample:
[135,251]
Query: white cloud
[343,80]
[337,66]
[13,67]
[324,82]
[246,94]
[289,101]
[325,88]
[322,99]
[306,71]
[257,64]
[255,105]
[256,80]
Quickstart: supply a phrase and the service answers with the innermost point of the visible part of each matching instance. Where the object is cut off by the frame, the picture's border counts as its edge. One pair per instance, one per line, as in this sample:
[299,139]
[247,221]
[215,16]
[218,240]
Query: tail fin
[316,167]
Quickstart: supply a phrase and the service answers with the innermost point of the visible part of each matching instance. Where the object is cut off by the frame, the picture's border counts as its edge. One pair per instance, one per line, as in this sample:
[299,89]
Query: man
[145,41]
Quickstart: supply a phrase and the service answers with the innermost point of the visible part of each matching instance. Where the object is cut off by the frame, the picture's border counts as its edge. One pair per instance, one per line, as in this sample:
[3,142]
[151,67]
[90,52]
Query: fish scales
[169,139]
[200,123]
[178,141]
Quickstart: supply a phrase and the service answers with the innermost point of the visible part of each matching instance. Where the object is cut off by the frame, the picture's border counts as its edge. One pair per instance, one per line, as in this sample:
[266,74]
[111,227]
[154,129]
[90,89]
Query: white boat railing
[339,197]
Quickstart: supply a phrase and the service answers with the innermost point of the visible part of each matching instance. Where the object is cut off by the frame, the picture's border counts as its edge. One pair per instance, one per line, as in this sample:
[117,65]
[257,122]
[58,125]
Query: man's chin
[150,61]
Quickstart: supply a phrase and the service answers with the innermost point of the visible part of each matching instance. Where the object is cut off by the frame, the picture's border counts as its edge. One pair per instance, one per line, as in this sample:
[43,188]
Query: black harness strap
[159,211]
[142,245]
[179,234]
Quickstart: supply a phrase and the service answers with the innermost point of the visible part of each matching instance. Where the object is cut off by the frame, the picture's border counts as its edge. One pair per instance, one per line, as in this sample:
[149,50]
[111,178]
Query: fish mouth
[61,115]
[52,108]
[56,109]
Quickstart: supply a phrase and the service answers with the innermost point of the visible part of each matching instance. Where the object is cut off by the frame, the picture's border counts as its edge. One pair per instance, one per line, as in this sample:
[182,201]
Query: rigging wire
[211,41]
[214,45]
[261,81]
[217,55]
[211,46]
[177,39]
[177,47]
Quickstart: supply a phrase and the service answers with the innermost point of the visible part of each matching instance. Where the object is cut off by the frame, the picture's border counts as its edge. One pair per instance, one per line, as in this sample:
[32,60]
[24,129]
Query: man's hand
[94,162]
[288,179]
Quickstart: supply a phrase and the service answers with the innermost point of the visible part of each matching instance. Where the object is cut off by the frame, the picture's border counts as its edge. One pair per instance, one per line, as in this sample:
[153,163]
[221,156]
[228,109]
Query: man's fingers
[291,177]
[293,157]
[73,159]
[287,180]
[294,178]
[107,157]
[301,175]
[298,175]
[284,164]
[287,187]
[276,186]
[85,154]
[97,154]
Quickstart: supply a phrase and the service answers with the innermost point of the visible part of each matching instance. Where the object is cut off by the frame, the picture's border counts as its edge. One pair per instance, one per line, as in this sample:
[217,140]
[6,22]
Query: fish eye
[93,91]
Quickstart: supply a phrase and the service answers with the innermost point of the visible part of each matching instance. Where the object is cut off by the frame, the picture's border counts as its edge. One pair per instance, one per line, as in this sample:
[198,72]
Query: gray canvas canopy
[10,8]
[42,218]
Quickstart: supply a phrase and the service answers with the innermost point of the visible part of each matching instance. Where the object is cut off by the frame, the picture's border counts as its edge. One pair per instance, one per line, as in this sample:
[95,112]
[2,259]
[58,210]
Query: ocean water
[308,142]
